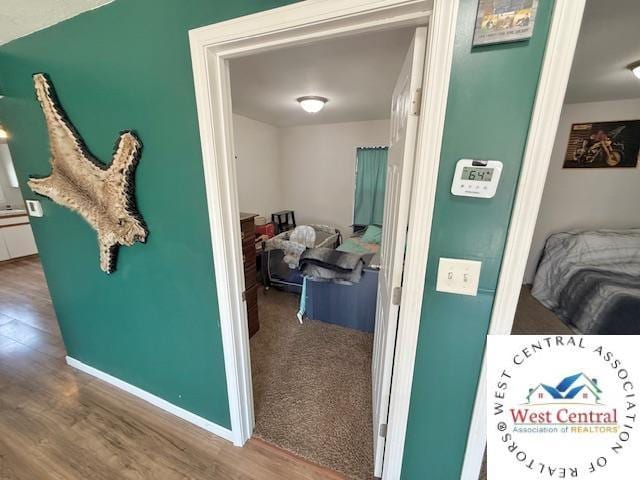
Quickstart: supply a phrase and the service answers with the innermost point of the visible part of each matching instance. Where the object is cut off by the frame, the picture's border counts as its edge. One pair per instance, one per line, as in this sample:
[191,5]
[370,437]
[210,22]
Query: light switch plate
[459,276]
[34,208]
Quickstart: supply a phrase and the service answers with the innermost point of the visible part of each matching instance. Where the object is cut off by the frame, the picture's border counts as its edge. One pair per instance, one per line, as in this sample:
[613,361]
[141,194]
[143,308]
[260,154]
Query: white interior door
[402,144]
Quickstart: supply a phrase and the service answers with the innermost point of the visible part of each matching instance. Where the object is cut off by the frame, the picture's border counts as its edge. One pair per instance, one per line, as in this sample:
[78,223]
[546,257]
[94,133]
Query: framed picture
[501,21]
[603,145]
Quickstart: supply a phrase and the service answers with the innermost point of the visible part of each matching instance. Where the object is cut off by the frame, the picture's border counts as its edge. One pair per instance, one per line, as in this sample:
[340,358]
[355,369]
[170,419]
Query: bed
[591,280]
[350,304]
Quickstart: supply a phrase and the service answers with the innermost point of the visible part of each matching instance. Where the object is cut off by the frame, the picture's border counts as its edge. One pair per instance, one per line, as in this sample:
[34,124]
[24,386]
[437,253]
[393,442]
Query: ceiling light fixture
[312,103]
[4,135]
[635,68]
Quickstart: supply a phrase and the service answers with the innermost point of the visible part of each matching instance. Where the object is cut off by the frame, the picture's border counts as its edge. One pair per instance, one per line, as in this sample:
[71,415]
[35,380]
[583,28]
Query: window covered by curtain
[371,178]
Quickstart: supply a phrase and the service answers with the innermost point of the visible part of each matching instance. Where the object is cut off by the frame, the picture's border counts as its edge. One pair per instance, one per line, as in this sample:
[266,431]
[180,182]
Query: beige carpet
[533,318]
[312,387]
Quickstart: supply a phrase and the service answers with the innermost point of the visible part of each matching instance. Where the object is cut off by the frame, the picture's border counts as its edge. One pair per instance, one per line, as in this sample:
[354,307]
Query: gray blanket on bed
[591,280]
[601,303]
[329,264]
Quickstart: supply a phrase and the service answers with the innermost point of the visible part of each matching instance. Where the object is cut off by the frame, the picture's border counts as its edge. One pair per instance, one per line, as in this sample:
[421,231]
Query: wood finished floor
[58,423]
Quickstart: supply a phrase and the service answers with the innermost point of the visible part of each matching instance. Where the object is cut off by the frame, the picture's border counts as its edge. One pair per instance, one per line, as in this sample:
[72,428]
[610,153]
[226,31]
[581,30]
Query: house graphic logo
[574,389]
[564,406]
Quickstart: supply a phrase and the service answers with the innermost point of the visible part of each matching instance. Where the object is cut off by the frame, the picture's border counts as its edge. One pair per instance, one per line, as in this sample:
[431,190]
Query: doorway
[16,237]
[212,48]
[311,190]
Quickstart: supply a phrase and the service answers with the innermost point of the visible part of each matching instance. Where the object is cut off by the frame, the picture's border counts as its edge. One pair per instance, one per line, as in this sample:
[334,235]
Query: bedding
[364,242]
[358,245]
[328,264]
[337,285]
[591,280]
[280,255]
[373,234]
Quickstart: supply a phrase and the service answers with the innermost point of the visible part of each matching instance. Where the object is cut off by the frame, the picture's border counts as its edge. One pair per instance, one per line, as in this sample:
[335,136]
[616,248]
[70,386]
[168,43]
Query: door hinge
[416,101]
[383,430]
[396,295]
[244,296]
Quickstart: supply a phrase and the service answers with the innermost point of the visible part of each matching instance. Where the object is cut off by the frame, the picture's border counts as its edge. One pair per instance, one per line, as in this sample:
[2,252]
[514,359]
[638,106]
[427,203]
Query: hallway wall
[154,323]
[491,98]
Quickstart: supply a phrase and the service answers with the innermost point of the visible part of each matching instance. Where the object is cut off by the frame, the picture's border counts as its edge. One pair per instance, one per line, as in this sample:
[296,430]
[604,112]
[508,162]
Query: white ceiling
[22,17]
[609,41]
[357,74]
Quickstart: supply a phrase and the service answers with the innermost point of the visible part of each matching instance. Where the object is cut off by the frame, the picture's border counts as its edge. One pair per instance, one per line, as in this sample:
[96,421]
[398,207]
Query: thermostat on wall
[476,178]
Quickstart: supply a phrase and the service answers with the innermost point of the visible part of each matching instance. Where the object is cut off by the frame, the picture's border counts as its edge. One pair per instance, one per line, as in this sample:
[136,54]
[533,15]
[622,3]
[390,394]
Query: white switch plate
[34,208]
[458,276]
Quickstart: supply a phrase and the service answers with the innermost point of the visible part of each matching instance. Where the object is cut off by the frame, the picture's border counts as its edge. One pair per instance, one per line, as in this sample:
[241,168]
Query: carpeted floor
[533,318]
[312,387]
[312,382]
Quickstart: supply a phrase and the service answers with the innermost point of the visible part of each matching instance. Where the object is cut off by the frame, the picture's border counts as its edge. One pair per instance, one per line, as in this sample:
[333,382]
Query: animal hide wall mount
[103,195]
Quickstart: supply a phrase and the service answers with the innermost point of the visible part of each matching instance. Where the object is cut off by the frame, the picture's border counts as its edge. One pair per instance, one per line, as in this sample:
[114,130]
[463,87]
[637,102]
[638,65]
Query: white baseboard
[152,399]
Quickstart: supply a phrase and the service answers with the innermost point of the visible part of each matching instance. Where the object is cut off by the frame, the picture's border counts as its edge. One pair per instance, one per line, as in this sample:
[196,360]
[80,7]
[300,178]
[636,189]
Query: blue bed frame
[351,306]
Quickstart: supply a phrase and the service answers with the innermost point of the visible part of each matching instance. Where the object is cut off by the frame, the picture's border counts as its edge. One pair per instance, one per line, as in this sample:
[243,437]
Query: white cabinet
[19,240]
[4,253]
[16,238]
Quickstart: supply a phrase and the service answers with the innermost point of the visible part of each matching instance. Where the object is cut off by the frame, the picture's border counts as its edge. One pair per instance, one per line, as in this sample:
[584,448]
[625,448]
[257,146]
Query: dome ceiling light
[312,103]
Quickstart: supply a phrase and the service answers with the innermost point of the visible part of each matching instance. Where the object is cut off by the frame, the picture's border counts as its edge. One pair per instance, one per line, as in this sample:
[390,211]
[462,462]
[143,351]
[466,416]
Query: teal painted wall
[153,323]
[491,98]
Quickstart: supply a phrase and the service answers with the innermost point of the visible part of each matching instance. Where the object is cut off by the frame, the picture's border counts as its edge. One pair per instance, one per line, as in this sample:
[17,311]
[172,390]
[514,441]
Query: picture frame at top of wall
[504,21]
[603,145]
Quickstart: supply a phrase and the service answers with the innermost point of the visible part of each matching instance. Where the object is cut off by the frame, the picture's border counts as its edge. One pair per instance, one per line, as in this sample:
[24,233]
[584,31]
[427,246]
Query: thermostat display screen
[476,178]
[479,174]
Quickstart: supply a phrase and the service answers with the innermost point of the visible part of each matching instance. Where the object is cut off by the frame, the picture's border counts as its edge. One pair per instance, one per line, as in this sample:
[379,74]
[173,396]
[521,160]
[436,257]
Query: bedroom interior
[311,248]
[584,263]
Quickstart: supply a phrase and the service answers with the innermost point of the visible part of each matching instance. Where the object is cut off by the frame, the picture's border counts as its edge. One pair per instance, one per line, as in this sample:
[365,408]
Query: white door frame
[561,45]
[306,21]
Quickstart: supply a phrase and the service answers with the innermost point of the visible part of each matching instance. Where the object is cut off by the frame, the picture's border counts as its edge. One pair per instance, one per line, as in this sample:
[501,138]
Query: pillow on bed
[350,245]
[372,235]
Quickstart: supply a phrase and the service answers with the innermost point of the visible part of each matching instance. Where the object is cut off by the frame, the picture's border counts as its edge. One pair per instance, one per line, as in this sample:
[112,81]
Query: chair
[284,220]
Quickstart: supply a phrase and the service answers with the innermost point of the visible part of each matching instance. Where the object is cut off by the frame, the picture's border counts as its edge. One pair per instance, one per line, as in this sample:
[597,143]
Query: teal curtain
[371,179]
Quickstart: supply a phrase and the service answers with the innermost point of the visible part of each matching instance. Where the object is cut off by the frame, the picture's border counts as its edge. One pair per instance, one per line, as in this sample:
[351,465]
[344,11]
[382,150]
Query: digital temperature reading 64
[479,174]
[476,178]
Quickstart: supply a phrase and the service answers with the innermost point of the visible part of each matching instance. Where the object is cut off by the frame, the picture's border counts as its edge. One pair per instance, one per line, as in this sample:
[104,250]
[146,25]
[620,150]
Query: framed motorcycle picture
[603,145]
[502,21]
